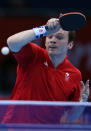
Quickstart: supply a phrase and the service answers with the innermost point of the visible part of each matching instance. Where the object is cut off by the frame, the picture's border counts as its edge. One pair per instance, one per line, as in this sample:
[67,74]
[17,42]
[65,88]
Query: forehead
[63,32]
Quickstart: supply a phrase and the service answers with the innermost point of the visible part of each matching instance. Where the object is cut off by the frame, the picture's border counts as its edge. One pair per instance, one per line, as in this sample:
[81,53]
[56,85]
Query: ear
[70,45]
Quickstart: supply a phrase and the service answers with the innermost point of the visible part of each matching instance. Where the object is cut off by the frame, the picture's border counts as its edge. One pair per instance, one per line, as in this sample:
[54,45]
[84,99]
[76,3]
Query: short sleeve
[29,53]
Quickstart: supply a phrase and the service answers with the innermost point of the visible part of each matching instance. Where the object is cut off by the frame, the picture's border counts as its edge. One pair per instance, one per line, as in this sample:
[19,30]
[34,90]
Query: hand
[84,91]
[52,26]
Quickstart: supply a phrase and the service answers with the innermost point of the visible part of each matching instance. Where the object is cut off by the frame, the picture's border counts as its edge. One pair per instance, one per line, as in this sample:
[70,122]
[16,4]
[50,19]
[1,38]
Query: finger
[87,84]
[82,93]
[87,92]
[61,14]
[53,25]
[82,85]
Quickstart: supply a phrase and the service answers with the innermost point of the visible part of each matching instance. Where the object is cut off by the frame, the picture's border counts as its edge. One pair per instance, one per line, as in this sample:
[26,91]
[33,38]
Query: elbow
[9,42]
[12,45]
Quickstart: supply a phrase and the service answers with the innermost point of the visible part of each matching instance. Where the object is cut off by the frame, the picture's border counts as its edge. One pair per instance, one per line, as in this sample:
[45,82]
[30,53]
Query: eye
[58,36]
[50,36]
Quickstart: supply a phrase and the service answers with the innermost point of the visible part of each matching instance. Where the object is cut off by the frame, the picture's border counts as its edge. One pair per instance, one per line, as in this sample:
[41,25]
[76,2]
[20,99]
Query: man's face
[57,43]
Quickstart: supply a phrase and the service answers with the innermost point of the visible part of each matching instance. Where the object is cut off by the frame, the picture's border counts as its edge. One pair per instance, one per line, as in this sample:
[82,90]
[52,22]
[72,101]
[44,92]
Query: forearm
[77,111]
[17,41]
[74,113]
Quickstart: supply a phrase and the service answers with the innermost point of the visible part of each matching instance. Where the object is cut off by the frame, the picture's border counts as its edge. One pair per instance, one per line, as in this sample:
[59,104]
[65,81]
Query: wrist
[84,99]
[40,32]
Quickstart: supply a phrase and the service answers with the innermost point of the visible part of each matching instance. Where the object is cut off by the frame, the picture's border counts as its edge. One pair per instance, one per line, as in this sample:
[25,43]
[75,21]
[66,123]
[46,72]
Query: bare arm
[75,112]
[19,40]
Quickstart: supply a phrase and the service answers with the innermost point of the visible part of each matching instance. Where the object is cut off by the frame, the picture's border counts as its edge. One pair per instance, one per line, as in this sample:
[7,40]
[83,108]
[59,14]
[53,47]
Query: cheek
[46,42]
[63,46]
[46,45]
[63,43]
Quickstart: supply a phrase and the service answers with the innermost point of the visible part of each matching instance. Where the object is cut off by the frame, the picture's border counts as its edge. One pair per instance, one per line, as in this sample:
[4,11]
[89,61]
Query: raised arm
[19,40]
[75,112]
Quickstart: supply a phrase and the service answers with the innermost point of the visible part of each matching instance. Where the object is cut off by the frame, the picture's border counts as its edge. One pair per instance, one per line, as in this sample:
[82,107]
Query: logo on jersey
[67,76]
[45,63]
[40,30]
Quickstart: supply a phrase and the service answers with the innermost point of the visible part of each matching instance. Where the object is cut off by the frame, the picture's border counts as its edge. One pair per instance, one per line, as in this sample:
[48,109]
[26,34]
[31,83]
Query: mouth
[52,47]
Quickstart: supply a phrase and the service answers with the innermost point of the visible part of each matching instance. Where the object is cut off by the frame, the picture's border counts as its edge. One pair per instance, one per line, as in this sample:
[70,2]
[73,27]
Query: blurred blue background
[19,15]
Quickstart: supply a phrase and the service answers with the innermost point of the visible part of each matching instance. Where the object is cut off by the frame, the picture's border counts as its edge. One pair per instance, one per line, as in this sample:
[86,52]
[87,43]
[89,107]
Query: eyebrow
[60,34]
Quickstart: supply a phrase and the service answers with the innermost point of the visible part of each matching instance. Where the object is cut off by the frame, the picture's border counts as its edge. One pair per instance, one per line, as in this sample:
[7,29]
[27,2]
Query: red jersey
[38,79]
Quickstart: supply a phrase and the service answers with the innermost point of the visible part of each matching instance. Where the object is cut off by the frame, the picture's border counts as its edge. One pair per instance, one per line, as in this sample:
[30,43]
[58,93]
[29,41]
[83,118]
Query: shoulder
[74,70]
[38,51]
[35,46]
[30,53]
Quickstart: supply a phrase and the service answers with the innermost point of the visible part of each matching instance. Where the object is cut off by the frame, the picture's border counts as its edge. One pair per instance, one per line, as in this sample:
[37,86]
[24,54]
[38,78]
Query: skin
[57,46]
[57,38]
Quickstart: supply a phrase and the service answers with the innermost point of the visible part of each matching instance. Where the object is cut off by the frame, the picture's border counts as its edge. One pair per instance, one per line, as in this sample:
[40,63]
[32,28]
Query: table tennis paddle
[72,21]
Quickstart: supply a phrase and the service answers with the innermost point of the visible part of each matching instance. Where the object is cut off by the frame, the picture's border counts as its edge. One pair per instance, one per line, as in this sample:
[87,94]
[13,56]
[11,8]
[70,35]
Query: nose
[53,40]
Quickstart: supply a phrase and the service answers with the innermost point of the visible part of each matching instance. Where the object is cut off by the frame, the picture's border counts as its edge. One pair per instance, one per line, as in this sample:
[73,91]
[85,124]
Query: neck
[57,59]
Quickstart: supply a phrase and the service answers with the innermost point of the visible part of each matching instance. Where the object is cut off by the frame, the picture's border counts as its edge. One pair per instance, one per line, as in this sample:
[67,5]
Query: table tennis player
[46,74]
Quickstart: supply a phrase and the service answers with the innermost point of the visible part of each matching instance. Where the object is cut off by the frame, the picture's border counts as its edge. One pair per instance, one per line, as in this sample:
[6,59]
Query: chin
[52,52]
